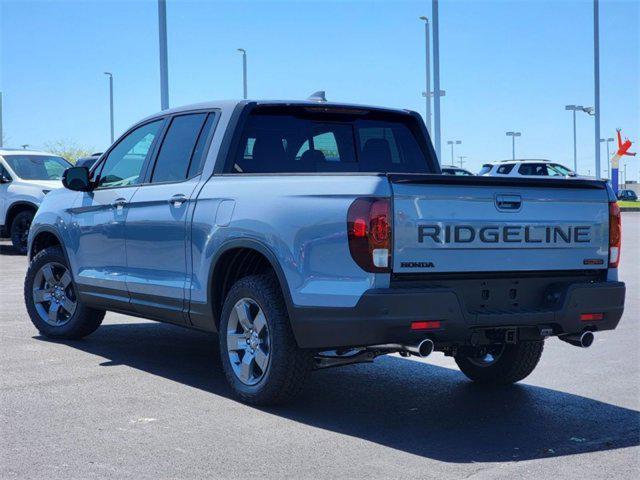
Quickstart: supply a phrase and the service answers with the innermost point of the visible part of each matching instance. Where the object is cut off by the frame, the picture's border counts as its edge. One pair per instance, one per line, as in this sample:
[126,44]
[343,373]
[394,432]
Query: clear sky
[505,65]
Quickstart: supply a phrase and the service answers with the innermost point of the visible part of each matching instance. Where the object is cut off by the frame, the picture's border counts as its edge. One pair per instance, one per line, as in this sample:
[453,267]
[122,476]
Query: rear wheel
[52,299]
[20,230]
[501,364]
[259,354]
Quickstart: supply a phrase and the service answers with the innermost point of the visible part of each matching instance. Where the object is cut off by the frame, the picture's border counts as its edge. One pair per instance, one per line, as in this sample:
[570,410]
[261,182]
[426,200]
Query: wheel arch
[220,281]
[15,208]
[45,237]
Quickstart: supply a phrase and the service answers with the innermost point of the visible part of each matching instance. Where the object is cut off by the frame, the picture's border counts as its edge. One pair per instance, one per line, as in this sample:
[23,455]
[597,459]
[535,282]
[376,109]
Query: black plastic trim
[385,315]
[202,316]
[420,178]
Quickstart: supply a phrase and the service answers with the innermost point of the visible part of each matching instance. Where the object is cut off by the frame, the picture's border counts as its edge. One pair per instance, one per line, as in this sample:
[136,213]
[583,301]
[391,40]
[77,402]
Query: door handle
[508,202]
[119,203]
[177,200]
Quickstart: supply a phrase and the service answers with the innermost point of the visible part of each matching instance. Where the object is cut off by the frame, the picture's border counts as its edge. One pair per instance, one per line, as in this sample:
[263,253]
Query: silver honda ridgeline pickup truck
[314,234]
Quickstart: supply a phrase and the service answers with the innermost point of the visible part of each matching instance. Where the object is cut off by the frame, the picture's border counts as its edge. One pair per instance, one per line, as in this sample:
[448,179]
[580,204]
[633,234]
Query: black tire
[511,365]
[81,323]
[288,365]
[19,230]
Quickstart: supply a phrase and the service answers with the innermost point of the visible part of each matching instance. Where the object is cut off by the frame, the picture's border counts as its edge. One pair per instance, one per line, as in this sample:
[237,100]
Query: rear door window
[328,142]
[537,169]
[177,149]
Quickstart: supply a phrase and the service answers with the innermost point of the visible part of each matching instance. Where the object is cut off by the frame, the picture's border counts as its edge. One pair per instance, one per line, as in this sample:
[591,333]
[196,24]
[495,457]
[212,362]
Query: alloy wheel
[248,342]
[53,294]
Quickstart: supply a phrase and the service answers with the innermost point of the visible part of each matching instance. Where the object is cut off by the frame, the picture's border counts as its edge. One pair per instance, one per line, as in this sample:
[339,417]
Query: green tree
[68,149]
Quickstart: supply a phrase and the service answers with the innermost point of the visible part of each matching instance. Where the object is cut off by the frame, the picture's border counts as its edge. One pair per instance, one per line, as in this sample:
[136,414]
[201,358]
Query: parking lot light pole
[164,69]
[452,143]
[436,78]
[427,74]
[608,140]
[596,82]
[110,102]
[574,109]
[462,157]
[513,136]
[244,72]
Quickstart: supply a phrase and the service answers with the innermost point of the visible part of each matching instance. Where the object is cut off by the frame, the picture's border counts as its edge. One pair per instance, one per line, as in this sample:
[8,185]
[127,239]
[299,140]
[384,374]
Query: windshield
[37,167]
[555,169]
[485,169]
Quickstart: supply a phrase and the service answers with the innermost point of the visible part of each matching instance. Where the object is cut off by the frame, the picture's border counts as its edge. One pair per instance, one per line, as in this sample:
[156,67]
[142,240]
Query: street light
[244,72]
[164,69]
[608,140]
[436,77]
[110,102]
[452,143]
[574,109]
[596,81]
[427,94]
[513,136]
[462,157]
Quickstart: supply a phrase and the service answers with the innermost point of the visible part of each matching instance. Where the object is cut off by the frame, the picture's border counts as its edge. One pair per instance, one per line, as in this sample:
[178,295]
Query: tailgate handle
[508,202]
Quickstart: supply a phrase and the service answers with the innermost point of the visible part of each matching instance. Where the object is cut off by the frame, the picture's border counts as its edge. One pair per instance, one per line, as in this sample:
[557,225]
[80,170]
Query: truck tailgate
[487,224]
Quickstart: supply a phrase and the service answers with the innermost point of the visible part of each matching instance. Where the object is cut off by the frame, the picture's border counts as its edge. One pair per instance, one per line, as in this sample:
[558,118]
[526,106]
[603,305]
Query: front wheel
[259,354]
[52,299]
[20,230]
[501,364]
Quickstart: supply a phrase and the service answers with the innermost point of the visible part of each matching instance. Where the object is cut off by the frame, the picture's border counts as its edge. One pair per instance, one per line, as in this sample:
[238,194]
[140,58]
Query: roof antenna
[318,96]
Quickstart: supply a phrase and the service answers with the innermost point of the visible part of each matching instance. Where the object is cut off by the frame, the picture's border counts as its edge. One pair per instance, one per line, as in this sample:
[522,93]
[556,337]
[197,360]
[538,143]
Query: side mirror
[4,179]
[573,174]
[77,178]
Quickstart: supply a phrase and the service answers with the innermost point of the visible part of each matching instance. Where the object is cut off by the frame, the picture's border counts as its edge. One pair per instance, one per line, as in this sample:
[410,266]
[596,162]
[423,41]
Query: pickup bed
[315,234]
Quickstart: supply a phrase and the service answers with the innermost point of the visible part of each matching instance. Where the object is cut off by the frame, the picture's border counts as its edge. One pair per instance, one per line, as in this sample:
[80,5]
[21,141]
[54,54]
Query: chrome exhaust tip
[422,349]
[582,340]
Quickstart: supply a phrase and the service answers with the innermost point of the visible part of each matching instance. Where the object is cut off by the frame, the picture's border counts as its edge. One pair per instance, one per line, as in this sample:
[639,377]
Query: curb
[630,209]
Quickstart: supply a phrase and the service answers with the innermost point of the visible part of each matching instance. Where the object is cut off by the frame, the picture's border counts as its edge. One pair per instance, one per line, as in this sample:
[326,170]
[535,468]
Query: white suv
[25,178]
[526,168]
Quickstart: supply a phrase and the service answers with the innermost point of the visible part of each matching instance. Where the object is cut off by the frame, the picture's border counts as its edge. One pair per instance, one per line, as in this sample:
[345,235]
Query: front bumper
[385,316]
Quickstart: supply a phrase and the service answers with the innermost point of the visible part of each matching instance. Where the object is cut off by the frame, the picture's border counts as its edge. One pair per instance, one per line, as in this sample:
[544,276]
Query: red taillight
[360,227]
[369,233]
[427,325]
[615,234]
[589,317]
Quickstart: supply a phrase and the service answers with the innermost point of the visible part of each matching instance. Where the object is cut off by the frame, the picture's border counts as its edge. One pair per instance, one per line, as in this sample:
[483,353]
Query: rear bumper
[385,316]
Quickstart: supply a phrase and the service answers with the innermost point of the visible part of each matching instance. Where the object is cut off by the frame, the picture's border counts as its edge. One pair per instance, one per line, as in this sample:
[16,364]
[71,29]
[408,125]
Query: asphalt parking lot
[139,399]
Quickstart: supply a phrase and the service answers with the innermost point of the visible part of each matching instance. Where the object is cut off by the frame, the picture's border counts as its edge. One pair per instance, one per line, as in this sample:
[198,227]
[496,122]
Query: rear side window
[200,152]
[301,141]
[538,169]
[505,169]
[178,146]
